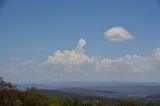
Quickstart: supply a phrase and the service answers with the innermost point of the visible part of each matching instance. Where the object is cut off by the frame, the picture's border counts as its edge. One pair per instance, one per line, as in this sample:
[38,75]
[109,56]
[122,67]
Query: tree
[67,102]
[100,104]
[8,92]
[149,104]
[128,103]
[54,101]
[77,103]
[31,90]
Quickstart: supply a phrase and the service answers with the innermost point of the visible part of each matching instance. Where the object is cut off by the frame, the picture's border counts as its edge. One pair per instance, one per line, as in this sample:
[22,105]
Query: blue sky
[35,29]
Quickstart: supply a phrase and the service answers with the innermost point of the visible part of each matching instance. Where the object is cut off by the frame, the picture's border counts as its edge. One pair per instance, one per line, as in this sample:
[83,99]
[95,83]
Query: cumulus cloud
[71,57]
[118,34]
[70,65]
[157,53]
[82,43]
[80,46]
[27,49]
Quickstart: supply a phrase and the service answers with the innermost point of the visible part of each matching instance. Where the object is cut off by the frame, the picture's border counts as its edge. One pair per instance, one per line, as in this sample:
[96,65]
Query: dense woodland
[11,96]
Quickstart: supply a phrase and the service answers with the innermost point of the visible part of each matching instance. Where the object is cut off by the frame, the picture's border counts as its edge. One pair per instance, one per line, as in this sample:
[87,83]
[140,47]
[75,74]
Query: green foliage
[77,103]
[30,97]
[67,102]
[53,101]
[8,93]
[100,104]
[128,103]
[31,90]
[149,104]
[87,104]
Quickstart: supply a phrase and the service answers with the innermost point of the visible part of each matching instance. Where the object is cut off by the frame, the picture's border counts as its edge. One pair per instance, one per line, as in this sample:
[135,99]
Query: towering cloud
[80,46]
[118,34]
[71,57]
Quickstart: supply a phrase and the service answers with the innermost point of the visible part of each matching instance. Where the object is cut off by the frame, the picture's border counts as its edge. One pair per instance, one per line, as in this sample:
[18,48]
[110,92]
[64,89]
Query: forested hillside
[11,96]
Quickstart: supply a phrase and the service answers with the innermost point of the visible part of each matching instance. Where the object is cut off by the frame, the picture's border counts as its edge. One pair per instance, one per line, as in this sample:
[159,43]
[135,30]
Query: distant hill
[110,97]
[142,88]
[67,94]
[57,93]
[137,89]
[111,92]
[70,84]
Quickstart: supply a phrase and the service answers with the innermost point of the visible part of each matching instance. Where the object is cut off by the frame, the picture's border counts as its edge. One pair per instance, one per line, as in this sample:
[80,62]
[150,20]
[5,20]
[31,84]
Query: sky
[80,40]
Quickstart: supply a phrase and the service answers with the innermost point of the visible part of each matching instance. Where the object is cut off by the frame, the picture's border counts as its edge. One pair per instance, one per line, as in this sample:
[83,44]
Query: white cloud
[40,49]
[118,34]
[157,53]
[82,43]
[27,49]
[80,46]
[71,57]
[72,65]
